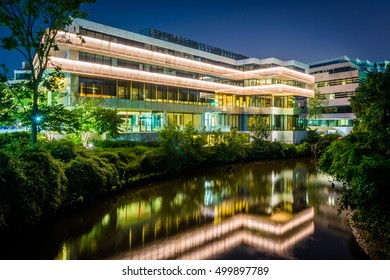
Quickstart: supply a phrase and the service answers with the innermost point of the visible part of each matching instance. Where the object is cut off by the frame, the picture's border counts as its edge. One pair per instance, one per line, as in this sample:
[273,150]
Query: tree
[107,120]
[371,105]
[16,108]
[259,128]
[228,146]
[55,118]
[33,27]
[15,102]
[92,119]
[361,161]
[7,107]
[184,147]
[316,106]
[312,138]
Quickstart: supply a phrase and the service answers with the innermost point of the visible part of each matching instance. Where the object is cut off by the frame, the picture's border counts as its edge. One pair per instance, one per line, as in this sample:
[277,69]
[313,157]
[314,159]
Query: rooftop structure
[154,33]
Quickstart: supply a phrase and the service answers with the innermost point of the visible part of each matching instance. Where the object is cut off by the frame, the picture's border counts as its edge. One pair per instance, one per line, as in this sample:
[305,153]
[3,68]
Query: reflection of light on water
[258,223]
[208,197]
[252,239]
[139,210]
[106,220]
[331,201]
[65,252]
[208,184]
[171,247]
[274,177]
[278,198]
[149,218]
[178,199]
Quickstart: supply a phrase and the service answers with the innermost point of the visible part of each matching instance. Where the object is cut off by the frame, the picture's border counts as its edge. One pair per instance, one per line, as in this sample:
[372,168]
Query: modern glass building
[336,80]
[156,78]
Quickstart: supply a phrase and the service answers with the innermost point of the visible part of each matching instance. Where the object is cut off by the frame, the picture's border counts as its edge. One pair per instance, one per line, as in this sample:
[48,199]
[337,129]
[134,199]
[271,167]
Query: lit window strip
[244,237]
[124,51]
[187,241]
[87,68]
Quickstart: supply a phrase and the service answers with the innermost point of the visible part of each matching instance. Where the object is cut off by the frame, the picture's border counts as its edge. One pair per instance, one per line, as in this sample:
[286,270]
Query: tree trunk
[34,115]
[34,131]
[84,138]
[34,124]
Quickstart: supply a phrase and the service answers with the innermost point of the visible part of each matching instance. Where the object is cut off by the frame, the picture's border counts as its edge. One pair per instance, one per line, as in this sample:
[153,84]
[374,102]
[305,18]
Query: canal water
[264,210]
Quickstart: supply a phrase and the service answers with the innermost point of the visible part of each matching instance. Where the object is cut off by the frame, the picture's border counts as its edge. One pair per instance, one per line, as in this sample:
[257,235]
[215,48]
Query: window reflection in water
[263,205]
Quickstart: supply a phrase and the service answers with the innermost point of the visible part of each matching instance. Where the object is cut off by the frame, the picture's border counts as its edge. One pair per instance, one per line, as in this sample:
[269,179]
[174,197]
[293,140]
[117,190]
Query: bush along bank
[37,183]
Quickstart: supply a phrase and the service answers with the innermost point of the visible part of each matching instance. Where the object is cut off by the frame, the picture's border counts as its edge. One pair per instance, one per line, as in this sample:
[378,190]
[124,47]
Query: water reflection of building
[202,206]
[327,214]
[210,240]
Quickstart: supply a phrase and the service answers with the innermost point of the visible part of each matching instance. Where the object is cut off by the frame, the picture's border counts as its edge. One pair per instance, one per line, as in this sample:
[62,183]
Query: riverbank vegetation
[38,182]
[361,161]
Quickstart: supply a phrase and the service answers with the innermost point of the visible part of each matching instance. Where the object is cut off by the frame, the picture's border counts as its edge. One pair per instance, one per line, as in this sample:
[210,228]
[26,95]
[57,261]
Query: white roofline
[161,43]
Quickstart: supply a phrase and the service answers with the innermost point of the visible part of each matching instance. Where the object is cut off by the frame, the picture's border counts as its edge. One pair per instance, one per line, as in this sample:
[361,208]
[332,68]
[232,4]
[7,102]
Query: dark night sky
[303,30]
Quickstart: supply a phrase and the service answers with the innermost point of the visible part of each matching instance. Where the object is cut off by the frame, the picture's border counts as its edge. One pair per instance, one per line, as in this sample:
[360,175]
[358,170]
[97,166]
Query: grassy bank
[38,183]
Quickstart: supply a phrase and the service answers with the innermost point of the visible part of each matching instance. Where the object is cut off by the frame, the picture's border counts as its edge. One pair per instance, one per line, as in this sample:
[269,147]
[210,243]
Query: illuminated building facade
[336,80]
[156,78]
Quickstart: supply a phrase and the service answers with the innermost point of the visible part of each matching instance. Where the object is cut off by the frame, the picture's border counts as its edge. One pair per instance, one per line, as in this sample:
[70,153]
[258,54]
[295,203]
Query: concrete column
[165,121]
[285,122]
[73,91]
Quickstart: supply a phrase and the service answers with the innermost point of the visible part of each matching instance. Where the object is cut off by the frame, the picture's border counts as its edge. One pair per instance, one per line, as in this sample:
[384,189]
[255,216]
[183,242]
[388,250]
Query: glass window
[183,95]
[161,93]
[82,56]
[97,87]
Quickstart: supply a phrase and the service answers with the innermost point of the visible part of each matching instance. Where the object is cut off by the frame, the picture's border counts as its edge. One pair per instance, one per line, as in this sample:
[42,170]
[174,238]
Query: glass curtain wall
[143,121]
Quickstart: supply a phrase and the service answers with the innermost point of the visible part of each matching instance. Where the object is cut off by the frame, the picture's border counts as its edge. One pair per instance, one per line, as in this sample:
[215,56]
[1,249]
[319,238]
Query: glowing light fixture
[104,71]
[128,52]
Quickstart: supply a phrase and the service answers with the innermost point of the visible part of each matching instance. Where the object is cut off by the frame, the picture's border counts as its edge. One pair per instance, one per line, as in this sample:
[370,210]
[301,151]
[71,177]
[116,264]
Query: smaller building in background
[336,80]
[21,75]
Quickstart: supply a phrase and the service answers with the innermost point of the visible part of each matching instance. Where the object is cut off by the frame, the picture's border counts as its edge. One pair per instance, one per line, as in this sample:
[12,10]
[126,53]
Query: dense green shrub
[132,171]
[266,150]
[228,146]
[325,141]
[289,150]
[90,176]
[126,163]
[12,192]
[153,161]
[262,150]
[37,182]
[63,149]
[115,143]
[127,155]
[123,144]
[364,168]
[33,187]
[303,150]
[319,143]
[13,141]
[139,150]
[6,138]
[185,146]
[47,175]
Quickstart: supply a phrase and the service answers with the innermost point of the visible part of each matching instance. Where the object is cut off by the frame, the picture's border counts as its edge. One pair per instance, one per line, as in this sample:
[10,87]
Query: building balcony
[105,71]
[103,47]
